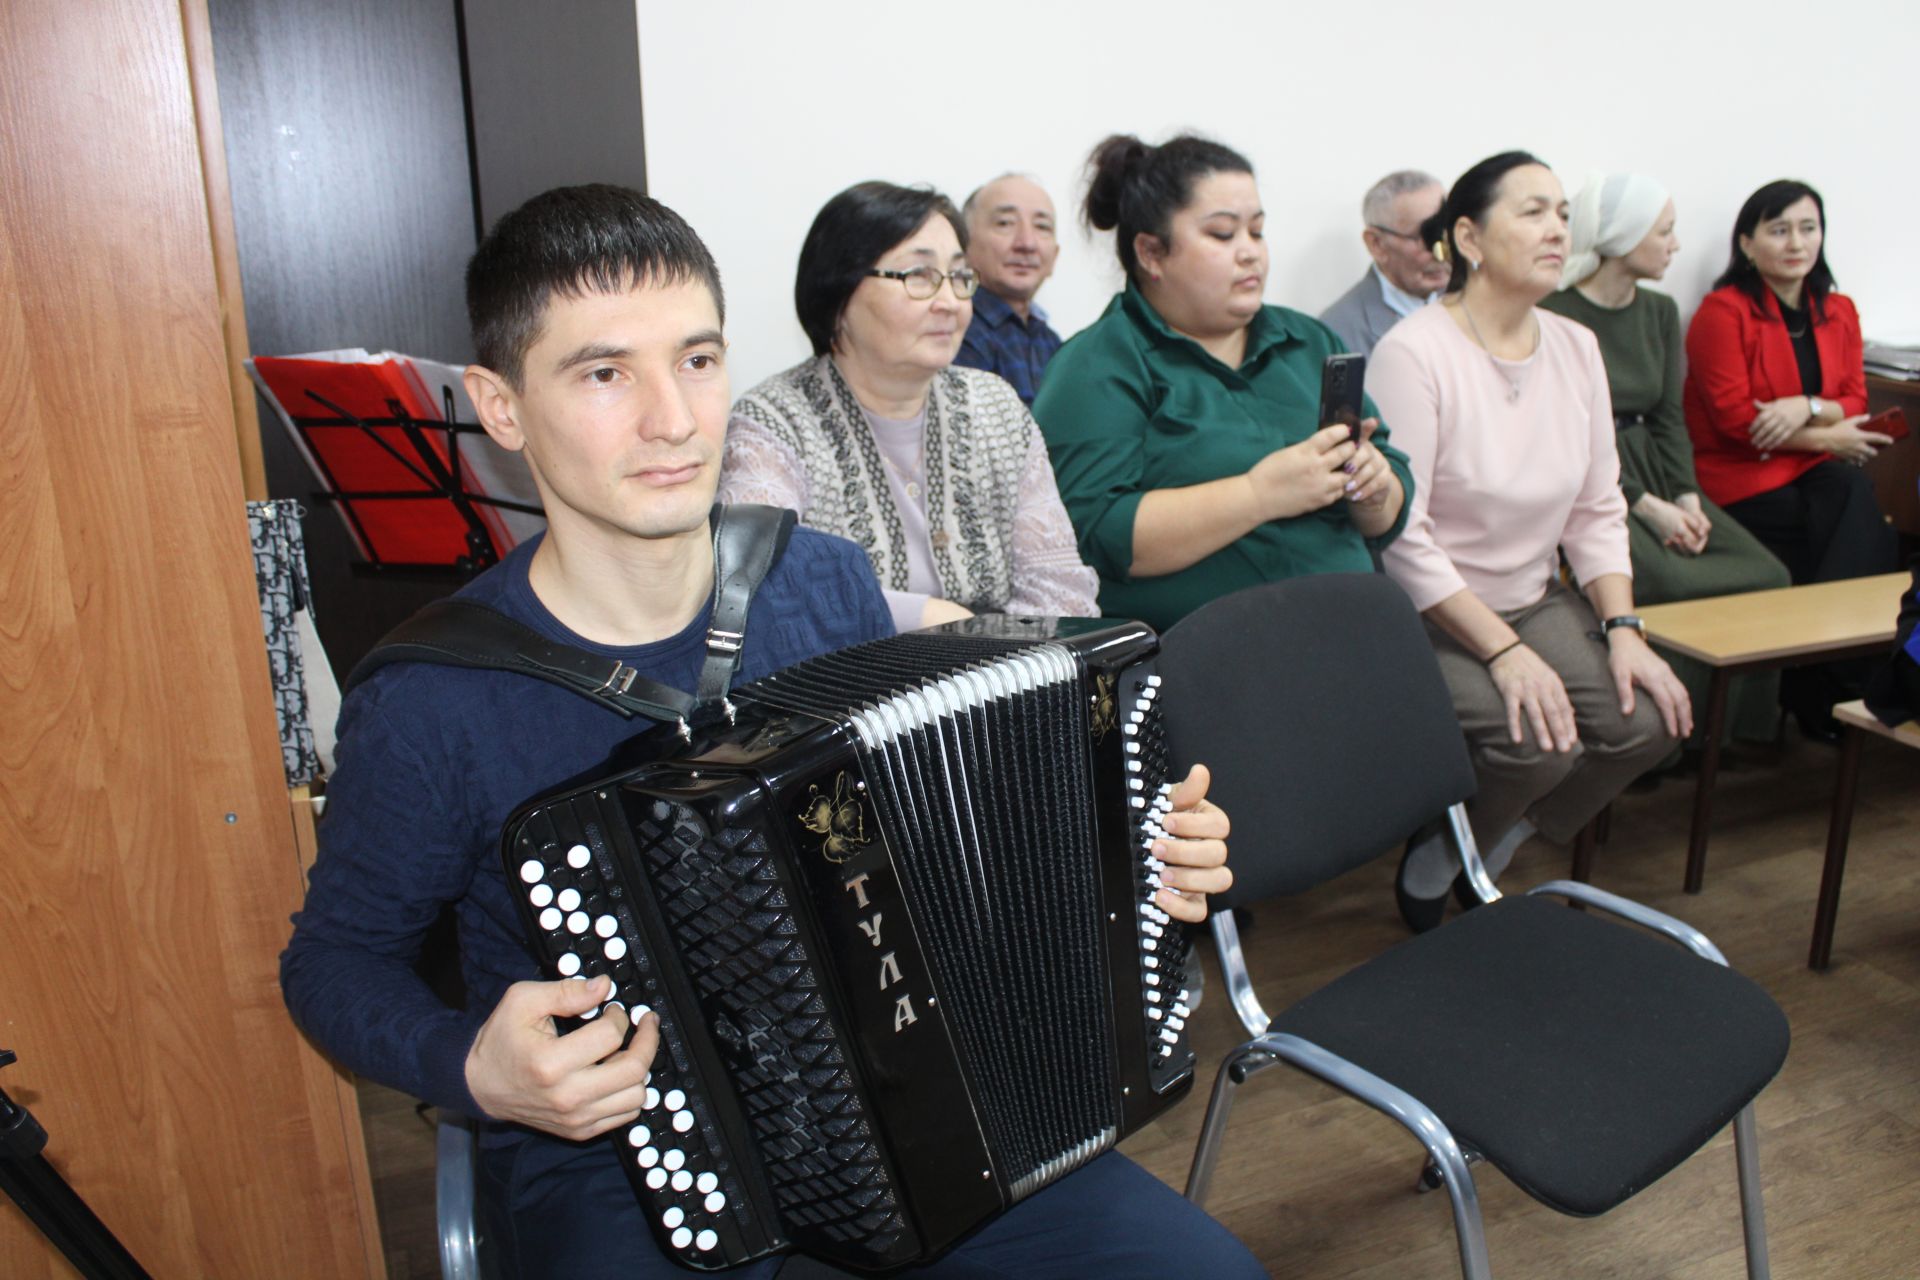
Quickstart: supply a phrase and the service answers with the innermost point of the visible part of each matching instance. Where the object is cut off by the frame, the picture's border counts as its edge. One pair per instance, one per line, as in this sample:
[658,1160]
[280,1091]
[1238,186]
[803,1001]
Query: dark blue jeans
[568,1213]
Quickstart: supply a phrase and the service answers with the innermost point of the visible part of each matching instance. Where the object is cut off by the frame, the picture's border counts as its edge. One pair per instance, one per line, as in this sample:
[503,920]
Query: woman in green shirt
[1683,546]
[1182,424]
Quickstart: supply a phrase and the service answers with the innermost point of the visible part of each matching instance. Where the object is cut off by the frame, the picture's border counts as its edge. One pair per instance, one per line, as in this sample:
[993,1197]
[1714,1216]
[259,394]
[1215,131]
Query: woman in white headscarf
[1683,547]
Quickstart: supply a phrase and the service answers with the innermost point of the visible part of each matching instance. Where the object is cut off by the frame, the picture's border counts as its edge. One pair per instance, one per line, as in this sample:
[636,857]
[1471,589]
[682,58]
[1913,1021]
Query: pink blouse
[1513,461]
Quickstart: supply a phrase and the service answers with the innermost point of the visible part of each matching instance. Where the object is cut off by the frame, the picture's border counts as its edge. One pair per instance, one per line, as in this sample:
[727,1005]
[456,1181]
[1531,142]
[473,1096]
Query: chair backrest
[1318,706]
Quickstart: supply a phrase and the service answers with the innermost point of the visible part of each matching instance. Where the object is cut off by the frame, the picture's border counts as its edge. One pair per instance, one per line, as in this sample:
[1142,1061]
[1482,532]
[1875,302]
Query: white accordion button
[705,1241]
[652,1099]
[682,1237]
[606,926]
[640,1010]
[550,919]
[590,1014]
[682,1121]
[639,1135]
[616,949]
[675,1158]
[707,1184]
[569,900]
[682,1180]
[673,1217]
[579,856]
[648,1157]
[577,922]
[715,1202]
[657,1178]
[541,895]
[676,1099]
[569,964]
[531,871]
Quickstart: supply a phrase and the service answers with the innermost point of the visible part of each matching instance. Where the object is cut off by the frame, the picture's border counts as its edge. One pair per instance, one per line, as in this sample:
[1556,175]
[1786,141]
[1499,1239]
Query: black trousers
[1824,526]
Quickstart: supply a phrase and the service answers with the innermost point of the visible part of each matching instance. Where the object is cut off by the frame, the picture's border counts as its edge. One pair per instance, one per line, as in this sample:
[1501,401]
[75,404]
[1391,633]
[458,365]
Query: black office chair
[1583,1059]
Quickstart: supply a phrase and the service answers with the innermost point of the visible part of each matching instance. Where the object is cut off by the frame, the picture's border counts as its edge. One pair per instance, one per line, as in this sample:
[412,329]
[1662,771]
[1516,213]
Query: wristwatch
[1814,406]
[1624,620]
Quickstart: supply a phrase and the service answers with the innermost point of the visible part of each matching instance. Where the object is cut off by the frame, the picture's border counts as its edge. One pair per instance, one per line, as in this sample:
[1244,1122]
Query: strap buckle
[727,642]
[619,680]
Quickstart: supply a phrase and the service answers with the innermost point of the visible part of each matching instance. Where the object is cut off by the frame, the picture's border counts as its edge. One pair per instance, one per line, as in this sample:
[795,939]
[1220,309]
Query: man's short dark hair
[570,241]
[850,234]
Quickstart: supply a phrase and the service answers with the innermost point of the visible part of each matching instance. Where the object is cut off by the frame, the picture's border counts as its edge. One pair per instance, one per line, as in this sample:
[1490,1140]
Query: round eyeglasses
[922,283]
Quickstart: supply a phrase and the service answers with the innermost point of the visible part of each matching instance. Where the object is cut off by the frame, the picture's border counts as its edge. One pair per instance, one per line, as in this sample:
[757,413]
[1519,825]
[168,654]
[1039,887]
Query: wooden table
[1857,723]
[1762,630]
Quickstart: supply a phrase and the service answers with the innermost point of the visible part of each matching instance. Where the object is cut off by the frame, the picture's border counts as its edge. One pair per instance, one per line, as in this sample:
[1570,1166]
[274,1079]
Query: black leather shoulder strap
[747,542]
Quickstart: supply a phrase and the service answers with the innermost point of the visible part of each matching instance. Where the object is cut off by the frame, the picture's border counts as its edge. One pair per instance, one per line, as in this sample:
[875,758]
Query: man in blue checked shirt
[1011,243]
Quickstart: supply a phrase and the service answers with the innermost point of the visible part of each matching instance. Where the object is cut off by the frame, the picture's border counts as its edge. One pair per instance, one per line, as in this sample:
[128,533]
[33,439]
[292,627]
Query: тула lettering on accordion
[896,921]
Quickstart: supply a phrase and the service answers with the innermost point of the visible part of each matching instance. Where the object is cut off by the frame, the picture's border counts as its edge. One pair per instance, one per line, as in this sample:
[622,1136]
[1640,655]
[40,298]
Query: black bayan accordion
[896,921]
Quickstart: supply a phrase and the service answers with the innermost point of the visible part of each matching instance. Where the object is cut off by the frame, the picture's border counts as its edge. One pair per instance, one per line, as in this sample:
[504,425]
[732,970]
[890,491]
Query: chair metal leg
[1418,1119]
[1246,1061]
[456,1153]
[1746,1151]
[1233,973]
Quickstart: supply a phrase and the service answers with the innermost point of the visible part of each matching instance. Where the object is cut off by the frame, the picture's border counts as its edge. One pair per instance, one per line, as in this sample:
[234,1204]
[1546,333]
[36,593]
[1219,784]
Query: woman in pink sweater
[1504,412]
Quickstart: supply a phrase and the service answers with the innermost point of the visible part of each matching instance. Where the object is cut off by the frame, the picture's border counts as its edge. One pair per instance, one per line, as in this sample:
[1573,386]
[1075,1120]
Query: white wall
[758,111]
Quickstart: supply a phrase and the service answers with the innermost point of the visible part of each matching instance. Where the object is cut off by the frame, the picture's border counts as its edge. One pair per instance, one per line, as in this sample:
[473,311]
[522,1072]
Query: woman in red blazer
[1775,396]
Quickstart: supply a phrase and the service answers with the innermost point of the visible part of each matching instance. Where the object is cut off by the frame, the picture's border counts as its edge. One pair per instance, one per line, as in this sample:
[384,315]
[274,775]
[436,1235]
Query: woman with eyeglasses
[1775,399]
[937,471]
[1184,422]
[1683,546]
[1505,411]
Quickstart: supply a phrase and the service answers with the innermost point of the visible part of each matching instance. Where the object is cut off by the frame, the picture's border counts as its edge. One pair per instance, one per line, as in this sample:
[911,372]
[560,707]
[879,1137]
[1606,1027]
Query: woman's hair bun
[1110,166]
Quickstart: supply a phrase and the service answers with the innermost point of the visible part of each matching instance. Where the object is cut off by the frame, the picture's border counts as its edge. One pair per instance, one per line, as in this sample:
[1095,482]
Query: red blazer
[1738,351]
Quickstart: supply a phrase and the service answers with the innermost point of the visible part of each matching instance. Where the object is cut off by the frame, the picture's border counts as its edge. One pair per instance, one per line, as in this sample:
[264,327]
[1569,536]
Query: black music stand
[440,480]
[50,1203]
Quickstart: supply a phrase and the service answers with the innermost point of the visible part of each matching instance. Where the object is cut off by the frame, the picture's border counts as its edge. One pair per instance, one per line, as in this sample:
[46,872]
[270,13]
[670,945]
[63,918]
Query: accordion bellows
[896,922]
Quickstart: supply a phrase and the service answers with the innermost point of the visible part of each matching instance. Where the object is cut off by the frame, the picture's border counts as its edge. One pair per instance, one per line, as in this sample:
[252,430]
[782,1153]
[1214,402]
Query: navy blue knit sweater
[431,761]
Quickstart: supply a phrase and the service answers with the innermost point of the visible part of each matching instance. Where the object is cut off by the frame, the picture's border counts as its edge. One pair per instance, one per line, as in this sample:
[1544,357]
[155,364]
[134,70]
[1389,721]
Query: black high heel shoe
[1421,914]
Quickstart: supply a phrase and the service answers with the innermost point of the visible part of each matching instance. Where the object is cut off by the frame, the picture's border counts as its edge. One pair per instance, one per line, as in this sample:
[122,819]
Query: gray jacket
[1361,316]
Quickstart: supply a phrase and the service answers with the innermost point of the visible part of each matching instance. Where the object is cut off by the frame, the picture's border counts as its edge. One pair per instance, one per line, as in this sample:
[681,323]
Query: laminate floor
[1321,1187]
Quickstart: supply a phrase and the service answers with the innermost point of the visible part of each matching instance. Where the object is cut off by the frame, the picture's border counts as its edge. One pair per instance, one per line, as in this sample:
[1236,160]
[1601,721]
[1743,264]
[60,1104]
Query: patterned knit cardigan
[977,439]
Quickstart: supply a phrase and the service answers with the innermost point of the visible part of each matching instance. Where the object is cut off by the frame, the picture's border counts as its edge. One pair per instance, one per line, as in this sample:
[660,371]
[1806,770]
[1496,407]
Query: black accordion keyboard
[896,921]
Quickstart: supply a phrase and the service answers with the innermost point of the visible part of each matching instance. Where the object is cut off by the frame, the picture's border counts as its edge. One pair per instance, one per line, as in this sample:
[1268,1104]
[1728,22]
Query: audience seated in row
[1775,396]
[1683,547]
[937,472]
[1504,411]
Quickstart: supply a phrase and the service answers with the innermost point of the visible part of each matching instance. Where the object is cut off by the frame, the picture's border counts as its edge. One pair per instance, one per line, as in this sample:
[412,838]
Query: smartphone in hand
[1340,389]
[1888,422]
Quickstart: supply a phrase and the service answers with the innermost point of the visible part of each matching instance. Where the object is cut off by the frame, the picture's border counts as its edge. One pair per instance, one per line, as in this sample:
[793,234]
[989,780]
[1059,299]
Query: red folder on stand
[395,448]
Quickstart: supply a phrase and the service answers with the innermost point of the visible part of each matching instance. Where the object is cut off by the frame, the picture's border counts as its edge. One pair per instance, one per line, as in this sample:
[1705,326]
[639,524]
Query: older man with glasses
[1405,275]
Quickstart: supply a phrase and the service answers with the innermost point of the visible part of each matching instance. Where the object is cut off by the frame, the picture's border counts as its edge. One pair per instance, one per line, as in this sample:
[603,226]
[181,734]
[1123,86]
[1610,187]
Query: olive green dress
[1642,345]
